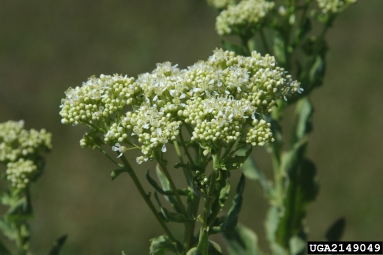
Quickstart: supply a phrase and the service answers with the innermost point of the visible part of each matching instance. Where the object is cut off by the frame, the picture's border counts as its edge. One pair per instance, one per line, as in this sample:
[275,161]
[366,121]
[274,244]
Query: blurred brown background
[48,46]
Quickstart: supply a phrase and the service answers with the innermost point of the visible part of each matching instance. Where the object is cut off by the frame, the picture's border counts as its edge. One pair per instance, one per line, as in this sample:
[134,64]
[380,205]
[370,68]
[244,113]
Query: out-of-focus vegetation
[45,47]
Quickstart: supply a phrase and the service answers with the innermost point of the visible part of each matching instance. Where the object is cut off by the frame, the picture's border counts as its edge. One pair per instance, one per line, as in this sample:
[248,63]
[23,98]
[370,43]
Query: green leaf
[8,229]
[223,187]
[161,244]
[193,251]
[114,174]
[271,226]
[203,245]
[303,123]
[317,71]
[57,246]
[22,207]
[298,245]
[166,187]
[171,216]
[302,189]
[160,190]
[335,232]
[156,186]
[214,248]
[233,214]
[251,170]
[235,161]
[243,241]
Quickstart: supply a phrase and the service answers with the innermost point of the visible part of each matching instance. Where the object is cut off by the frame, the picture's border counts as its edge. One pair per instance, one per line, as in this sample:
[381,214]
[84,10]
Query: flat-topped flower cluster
[220,101]
[21,151]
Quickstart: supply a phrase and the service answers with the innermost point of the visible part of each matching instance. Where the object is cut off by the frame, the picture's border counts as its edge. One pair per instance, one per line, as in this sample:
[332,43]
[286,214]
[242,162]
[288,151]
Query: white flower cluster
[16,142]
[219,4]
[220,100]
[98,99]
[20,173]
[333,6]
[19,149]
[246,14]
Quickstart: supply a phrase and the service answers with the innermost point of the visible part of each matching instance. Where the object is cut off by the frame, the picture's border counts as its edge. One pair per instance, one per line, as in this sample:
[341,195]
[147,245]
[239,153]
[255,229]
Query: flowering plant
[22,152]
[212,114]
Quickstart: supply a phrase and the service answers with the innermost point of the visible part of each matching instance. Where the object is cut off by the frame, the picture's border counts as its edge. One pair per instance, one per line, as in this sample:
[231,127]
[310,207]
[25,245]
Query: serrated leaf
[161,244]
[243,241]
[233,214]
[335,232]
[57,246]
[114,174]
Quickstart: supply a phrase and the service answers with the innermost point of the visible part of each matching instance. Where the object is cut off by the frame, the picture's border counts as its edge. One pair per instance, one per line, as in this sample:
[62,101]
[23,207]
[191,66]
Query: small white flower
[119,148]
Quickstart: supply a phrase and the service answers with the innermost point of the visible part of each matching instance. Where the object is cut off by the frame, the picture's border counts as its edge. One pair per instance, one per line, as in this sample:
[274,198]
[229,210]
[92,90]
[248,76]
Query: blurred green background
[48,46]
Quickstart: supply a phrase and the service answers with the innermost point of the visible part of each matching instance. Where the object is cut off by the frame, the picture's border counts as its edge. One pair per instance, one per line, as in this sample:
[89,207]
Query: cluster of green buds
[22,152]
[222,100]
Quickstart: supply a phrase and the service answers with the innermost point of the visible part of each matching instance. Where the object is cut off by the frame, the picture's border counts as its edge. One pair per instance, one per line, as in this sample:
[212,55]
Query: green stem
[185,149]
[209,199]
[146,197]
[172,185]
[109,157]
[189,227]
[19,240]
